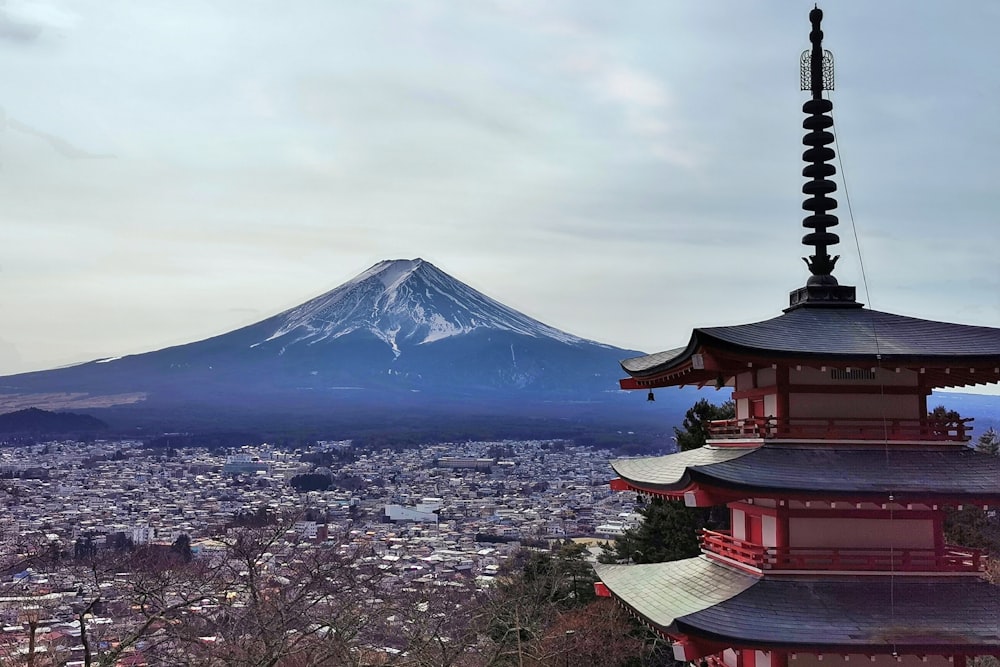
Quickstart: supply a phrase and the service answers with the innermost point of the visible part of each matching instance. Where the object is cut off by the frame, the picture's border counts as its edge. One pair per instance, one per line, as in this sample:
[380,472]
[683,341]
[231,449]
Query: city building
[836,478]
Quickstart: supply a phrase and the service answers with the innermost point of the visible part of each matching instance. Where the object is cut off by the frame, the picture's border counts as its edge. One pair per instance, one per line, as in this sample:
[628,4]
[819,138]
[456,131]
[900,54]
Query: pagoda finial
[816,75]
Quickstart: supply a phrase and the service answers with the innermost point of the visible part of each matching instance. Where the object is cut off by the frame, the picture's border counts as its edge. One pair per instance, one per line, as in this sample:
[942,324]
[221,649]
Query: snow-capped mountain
[402,333]
[405,302]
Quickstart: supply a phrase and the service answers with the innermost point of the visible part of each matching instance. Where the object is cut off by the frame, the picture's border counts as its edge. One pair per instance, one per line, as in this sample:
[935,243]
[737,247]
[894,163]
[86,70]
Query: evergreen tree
[669,531]
[989,442]
[696,420]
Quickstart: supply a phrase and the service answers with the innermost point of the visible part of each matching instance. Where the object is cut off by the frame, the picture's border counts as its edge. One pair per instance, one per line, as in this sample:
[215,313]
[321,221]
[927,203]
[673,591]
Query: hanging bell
[650,397]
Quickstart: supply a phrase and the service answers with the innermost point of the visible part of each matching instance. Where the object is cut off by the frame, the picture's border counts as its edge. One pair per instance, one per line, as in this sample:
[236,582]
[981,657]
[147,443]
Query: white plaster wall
[767,377]
[742,408]
[769,528]
[845,406]
[770,405]
[861,533]
[739,524]
[761,659]
[729,657]
[744,381]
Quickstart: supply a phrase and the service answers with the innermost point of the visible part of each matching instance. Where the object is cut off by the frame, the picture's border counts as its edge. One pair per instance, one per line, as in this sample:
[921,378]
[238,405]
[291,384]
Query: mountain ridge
[400,335]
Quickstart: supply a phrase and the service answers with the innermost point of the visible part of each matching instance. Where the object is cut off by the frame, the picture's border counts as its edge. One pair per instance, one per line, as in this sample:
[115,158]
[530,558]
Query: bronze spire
[817,76]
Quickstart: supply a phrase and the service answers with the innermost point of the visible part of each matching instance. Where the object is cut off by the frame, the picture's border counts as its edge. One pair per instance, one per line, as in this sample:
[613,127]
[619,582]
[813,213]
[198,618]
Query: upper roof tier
[952,355]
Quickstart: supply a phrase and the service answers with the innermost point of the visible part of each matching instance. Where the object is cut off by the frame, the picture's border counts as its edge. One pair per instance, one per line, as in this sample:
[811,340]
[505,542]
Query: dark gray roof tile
[955,473]
[702,598]
[838,332]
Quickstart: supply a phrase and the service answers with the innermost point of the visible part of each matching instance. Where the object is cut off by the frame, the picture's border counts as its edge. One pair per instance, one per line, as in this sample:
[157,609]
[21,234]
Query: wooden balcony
[844,559]
[766,428]
[741,551]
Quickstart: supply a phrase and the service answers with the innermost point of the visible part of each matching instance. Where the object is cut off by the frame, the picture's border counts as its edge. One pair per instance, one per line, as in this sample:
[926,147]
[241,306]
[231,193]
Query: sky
[623,171]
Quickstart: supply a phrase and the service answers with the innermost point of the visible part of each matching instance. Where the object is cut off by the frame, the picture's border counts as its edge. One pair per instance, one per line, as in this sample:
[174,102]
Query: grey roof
[661,592]
[839,332]
[870,613]
[638,364]
[670,472]
[953,473]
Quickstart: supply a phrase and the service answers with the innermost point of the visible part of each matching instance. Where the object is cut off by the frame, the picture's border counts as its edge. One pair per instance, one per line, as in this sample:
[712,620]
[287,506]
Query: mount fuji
[408,303]
[401,336]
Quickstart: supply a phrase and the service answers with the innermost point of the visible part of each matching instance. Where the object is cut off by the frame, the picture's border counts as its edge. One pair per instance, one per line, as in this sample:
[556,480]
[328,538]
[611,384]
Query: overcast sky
[625,171]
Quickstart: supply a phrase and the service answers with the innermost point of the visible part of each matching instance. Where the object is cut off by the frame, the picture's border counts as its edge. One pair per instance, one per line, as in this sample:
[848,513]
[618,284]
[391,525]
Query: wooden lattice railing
[949,558]
[950,430]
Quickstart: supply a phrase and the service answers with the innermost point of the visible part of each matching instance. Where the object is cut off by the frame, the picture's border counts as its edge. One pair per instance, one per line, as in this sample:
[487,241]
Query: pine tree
[989,442]
[696,421]
[669,531]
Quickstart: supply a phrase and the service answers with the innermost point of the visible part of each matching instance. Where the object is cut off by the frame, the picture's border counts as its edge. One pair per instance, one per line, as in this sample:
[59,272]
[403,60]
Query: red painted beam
[619,484]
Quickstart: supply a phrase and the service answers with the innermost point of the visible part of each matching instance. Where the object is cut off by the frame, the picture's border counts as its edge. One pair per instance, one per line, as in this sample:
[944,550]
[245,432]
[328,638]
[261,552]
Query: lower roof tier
[866,614]
[900,475]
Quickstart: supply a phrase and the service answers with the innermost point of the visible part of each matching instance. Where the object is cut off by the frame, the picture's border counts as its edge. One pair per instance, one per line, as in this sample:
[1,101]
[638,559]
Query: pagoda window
[852,374]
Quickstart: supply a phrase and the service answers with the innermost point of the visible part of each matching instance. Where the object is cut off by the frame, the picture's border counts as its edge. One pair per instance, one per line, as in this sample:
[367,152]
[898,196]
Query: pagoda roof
[909,475]
[701,598]
[837,335]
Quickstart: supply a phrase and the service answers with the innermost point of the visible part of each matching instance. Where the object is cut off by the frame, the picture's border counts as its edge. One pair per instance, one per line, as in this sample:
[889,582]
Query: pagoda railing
[948,430]
[741,551]
[715,661]
[950,558]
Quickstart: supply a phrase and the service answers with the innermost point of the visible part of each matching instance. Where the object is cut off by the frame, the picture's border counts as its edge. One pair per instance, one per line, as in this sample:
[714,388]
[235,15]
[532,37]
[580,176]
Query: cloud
[25,21]
[60,145]
[587,54]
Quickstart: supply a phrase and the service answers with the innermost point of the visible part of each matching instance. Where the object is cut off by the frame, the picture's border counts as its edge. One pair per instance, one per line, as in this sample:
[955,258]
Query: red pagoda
[835,477]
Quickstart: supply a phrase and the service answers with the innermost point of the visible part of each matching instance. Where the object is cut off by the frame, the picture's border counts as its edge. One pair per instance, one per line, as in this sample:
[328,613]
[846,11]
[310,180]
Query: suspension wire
[879,370]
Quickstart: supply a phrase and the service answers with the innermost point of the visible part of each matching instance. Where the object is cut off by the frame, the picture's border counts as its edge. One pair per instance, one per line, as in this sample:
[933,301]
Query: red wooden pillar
[783,384]
[938,532]
[781,527]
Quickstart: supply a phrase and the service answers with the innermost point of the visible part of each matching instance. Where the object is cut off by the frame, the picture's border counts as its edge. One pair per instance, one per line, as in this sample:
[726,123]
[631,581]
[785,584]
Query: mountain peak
[392,271]
[403,302]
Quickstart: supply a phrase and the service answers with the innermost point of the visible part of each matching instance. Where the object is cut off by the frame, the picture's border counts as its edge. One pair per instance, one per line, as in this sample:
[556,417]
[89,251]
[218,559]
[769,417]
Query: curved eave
[951,355]
[671,474]
[659,366]
[708,601]
[901,477]
[660,593]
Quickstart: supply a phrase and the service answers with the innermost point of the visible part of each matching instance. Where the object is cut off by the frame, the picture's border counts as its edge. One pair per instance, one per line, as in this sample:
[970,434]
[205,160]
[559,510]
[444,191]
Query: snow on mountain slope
[404,303]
